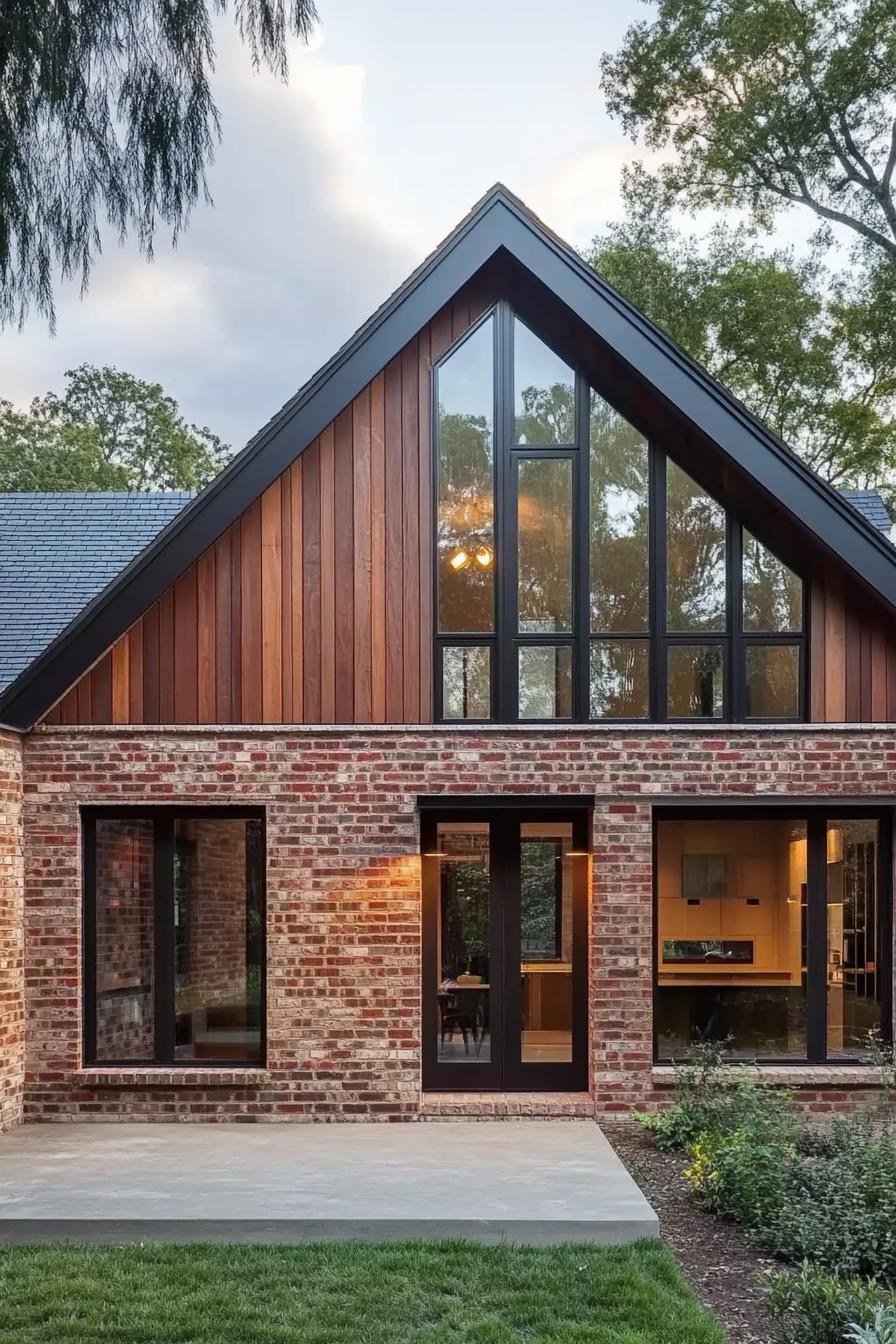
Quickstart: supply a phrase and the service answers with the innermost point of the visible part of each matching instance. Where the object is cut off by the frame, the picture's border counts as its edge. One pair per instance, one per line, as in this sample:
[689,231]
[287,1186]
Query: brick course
[12,984]
[343,899]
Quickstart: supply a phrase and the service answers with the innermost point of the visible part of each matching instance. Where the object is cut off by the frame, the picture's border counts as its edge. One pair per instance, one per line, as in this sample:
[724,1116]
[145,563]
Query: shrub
[882,1330]
[744,1175]
[714,1098]
[839,1208]
[816,1307]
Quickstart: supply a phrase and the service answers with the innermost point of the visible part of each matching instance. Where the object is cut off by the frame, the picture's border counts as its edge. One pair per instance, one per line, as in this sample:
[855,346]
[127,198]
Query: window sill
[793,1075]
[168,1077]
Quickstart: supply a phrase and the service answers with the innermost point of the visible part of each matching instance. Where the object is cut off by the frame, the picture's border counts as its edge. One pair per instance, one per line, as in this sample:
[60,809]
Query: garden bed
[719,1261]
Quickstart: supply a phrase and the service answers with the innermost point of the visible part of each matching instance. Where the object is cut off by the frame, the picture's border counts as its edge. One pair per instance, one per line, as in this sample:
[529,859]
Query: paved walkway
[534,1182]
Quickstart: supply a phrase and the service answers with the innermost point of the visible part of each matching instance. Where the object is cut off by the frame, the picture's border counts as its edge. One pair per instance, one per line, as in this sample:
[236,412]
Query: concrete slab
[532,1182]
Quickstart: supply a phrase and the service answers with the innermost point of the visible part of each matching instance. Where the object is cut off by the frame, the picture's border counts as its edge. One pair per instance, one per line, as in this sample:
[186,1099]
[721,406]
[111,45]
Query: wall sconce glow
[451,857]
[459,559]
[484,557]
[576,854]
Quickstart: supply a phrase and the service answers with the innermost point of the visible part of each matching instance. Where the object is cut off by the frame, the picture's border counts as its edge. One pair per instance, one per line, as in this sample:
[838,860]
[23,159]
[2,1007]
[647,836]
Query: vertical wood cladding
[315,605]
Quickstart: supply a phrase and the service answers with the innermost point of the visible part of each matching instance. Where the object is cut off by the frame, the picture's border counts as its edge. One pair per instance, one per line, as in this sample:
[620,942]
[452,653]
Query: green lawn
[426,1292]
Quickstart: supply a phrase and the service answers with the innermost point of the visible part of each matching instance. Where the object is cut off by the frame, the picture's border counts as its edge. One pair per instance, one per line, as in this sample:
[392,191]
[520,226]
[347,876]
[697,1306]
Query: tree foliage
[767,105]
[812,354]
[108,431]
[107,114]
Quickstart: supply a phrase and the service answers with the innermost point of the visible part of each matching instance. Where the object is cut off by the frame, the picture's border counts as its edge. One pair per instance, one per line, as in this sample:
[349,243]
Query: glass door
[505,951]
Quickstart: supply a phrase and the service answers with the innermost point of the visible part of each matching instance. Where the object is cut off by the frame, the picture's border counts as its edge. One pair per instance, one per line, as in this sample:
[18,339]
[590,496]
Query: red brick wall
[343,899]
[12,1000]
[124,940]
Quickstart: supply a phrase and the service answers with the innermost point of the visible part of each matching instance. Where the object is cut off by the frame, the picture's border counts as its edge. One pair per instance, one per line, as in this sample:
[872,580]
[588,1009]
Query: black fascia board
[499,222]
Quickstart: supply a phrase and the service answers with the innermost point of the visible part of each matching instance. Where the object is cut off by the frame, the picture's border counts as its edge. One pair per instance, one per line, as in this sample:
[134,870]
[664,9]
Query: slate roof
[57,551]
[870,504]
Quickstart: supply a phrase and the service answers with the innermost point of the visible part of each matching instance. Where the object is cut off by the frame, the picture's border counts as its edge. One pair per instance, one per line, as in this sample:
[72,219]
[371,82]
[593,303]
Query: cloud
[298,250]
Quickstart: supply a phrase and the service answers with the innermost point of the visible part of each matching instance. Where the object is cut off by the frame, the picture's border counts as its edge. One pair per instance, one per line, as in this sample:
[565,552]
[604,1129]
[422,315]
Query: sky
[328,191]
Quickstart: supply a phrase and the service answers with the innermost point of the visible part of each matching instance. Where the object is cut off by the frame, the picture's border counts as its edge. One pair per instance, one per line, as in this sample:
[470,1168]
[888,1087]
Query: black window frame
[504,640]
[817,816]
[163,818]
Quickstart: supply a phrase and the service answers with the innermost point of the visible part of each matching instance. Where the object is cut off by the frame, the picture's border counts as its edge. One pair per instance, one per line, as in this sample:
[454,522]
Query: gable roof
[57,552]
[870,504]
[499,224]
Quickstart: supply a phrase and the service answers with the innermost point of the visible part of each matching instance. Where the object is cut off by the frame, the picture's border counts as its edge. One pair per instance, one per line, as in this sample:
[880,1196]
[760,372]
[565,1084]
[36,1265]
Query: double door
[505,950]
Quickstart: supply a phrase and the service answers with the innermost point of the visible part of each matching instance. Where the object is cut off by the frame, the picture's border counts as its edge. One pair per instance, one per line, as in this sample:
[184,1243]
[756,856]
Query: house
[513,711]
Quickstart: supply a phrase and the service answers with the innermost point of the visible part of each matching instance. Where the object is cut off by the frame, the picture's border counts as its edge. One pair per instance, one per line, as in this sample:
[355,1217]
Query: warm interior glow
[484,556]
[459,559]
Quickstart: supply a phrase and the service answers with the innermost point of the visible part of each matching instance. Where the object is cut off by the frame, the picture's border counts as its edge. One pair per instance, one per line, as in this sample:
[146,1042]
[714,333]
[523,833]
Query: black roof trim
[499,222]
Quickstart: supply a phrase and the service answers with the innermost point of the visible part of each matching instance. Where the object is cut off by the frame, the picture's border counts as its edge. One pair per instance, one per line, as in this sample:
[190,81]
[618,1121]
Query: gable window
[772,934]
[173,937]
[580,571]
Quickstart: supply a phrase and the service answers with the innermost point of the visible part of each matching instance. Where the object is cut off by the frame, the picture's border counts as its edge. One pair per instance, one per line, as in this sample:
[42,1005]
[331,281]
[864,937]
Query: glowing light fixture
[484,557]
[459,559]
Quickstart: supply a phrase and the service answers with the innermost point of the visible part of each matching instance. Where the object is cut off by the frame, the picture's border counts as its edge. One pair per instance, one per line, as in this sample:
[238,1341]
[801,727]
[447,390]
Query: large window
[173,937]
[581,572]
[772,934]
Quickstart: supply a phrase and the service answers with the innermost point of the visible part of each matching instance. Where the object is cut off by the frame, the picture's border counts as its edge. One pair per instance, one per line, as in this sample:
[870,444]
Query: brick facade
[343,896]
[12,984]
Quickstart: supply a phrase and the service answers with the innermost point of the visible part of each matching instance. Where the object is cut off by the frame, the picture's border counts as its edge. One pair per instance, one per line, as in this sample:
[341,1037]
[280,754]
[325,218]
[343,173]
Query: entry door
[505,951]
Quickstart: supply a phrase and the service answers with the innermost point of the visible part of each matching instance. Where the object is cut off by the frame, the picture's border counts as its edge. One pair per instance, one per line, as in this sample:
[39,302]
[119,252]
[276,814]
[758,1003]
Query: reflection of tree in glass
[619,686]
[540,879]
[544,504]
[619,521]
[465,898]
[466,689]
[772,592]
[547,415]
[465,520]
[695,555]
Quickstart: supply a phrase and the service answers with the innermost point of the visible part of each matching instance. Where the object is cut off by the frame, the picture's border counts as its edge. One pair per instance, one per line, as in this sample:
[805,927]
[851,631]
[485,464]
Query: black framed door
[505,933]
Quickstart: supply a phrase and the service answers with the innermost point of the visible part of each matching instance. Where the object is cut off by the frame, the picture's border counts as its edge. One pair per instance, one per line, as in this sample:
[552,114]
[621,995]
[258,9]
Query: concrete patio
[531,1182]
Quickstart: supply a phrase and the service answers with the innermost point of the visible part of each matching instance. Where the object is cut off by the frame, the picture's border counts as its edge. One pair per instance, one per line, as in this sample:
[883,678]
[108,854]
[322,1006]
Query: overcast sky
[330,190]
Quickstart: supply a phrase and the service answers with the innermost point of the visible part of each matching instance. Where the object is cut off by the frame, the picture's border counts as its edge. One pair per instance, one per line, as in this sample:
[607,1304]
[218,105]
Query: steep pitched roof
[872,507]
[499,225]
[57,552]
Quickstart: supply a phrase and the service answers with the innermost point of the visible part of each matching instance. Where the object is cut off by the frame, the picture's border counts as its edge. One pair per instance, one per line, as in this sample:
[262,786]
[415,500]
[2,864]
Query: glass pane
[466,682]
[695,555]
[545,685]
[546,942]
[466,535]
[218,938]
[773,594]
[544,545]
[462,945]
[545,400]
[619,521]
[620,679]
[773,681]
[852,961]
[125,1027]
[696,681]
[731,937]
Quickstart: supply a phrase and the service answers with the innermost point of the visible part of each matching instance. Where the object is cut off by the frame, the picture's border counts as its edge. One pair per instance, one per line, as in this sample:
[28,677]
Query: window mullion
[88,943]
[505,506]
[163,931]
[582,554]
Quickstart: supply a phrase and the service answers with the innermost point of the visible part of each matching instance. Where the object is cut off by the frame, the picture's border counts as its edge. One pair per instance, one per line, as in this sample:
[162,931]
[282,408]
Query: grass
[448,1292]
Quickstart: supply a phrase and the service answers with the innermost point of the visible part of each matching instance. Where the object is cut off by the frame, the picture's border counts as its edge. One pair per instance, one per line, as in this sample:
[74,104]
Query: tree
[813,355]
[767,105]
[106,111]
[108,431]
